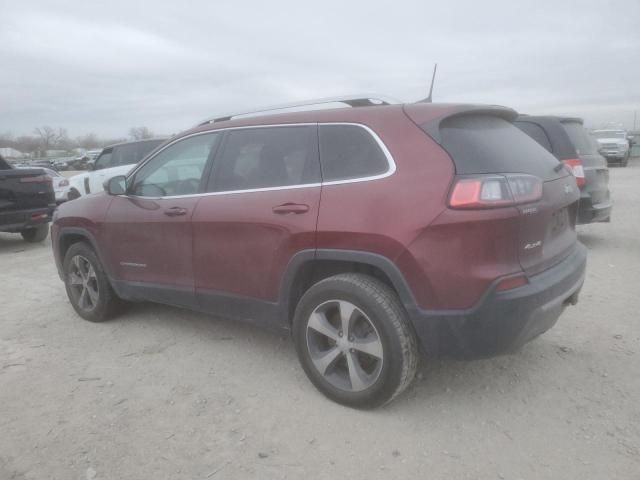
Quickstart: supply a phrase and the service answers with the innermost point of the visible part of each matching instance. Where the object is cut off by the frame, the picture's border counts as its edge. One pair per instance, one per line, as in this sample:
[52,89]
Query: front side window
[176,170]
[349,152]
[266,157]
[104,160]
[132,153]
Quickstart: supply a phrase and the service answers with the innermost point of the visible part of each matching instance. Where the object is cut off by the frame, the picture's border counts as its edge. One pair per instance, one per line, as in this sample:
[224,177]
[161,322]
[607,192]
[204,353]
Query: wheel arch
[70,235]
[309,267]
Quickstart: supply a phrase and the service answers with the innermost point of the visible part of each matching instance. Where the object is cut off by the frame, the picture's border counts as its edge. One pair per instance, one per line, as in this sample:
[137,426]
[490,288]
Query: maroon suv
[370,232]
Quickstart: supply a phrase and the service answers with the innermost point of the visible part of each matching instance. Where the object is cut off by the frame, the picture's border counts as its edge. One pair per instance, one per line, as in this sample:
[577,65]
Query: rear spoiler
[429,119]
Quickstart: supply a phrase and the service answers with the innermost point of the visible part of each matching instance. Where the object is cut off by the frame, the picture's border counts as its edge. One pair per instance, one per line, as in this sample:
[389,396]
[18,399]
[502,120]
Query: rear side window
[348,152]
[266,157]
[489,144]
[536,132]
[580,138]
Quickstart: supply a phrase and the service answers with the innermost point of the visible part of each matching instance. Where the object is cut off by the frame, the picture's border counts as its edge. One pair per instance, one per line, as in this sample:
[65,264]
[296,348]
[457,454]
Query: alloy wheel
[83,283]
[344,345]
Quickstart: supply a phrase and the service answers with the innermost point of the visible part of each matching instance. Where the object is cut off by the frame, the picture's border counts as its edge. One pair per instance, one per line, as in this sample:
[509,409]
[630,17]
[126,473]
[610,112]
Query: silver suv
[613,145]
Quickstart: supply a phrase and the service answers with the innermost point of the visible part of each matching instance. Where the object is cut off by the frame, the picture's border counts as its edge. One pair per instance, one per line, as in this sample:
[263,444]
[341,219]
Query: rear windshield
[489,144]
[580,138]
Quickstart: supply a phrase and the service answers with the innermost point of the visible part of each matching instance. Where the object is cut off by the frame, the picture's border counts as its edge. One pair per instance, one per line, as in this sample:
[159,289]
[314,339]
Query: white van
[113,161]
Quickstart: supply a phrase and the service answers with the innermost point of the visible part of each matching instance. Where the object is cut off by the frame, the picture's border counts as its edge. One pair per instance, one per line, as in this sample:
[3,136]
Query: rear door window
[489,144]
[349,152]
[266,157]
[536,132]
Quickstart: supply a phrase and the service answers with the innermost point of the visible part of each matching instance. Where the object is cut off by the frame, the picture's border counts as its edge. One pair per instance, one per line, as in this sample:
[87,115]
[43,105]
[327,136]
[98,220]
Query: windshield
[609,134]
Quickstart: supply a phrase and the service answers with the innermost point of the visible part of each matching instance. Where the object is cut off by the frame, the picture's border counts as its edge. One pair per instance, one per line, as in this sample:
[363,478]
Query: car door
[261,210]
[149,230]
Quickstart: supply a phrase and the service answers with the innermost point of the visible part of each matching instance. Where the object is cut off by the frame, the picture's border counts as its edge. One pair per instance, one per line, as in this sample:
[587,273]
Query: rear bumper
[614,157]
[23,219]
[504,321]
[588,212]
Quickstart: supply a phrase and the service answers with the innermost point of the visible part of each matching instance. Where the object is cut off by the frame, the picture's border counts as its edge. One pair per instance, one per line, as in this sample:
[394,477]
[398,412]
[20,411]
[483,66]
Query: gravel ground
[161,393]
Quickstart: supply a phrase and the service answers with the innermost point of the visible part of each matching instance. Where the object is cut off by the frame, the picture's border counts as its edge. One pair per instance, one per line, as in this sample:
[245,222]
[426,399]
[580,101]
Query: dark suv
[371,232]
[571,144]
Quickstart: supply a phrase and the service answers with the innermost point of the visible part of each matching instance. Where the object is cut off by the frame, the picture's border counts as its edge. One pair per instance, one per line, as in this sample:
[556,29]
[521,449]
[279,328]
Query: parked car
[567,139]
[614,145]
[26,201]
[370,232]
[112,161]
[60,184]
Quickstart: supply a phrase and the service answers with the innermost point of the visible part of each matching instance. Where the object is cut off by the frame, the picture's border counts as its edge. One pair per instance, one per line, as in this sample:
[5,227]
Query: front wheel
[354,340]
[73,194]
[87,285]
[35,234]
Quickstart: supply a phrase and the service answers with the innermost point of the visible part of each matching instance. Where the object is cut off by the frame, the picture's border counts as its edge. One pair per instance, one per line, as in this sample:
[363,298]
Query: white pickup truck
[613,145]
[114,160]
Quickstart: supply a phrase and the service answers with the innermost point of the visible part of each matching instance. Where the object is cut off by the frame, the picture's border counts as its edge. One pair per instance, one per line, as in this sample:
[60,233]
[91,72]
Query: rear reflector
[39,216]
[36,179]
[492,191]
[575,167]
[511,283]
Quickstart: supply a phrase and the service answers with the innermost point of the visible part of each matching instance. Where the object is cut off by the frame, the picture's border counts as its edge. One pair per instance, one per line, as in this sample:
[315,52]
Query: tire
[35,234]
[83,271]
[377,323]
[73,194]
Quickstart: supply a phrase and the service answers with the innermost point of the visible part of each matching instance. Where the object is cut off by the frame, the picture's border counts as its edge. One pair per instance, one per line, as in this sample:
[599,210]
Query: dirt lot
[162,393]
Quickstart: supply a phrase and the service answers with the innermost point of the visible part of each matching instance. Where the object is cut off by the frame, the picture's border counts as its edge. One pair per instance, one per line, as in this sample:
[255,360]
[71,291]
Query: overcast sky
[105,66]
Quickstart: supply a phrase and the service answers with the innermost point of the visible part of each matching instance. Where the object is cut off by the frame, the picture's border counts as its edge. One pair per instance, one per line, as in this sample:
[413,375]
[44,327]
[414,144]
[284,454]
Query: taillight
[510,283]
[36,179]
[493,191]
[576,168]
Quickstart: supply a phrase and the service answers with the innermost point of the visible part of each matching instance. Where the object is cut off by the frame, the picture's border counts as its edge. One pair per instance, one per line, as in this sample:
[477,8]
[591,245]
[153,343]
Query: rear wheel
[87,285]
[354,341]
[35,234]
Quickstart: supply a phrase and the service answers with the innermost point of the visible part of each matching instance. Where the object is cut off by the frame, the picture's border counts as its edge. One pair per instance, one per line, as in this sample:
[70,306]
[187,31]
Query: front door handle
[289,208]
[175,211]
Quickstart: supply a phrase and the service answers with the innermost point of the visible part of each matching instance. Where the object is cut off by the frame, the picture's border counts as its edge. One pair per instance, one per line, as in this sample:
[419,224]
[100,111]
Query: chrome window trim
[390,161]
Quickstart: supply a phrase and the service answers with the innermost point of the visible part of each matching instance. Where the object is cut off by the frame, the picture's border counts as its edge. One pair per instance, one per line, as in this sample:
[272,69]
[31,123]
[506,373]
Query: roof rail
[362,100]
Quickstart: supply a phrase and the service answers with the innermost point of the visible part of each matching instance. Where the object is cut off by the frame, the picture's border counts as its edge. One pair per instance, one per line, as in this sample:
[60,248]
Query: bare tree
[47,137]
[140,133]
[88,141]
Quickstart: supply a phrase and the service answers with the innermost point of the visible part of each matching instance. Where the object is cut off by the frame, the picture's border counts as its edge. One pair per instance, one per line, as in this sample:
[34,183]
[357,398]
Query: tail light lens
[493,191]
[36,179]
[575,167]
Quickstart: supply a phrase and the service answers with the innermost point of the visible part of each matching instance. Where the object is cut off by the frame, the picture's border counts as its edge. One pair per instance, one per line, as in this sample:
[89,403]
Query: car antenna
[429,99]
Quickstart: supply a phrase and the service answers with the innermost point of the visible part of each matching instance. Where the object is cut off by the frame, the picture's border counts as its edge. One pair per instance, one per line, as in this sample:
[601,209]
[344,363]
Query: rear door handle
[289,208]
[175,211]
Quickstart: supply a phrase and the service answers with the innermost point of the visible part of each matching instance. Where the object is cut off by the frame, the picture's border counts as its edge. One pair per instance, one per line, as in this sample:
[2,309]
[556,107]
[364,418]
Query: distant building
[8,152]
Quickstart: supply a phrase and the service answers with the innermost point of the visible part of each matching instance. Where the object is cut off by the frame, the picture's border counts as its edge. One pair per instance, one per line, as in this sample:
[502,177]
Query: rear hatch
[596,172]
[482,143]
[24,189]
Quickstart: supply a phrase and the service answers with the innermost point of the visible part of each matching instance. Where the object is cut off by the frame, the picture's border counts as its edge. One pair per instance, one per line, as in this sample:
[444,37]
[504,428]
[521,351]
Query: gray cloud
[107,66]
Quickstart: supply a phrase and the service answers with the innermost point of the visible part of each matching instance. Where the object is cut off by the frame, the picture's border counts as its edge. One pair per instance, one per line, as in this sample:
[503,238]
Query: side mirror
[116,185]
